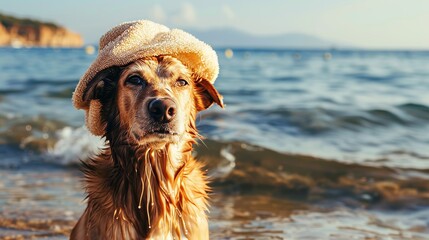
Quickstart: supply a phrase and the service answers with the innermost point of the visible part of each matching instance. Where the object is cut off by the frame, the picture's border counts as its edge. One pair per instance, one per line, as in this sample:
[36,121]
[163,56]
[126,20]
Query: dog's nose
[162,109]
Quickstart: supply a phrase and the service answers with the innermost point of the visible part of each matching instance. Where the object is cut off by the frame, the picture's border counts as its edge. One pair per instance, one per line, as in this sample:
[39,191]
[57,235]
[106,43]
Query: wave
[416,110]
[33,89]
[320,120]
[240,166]
[30,83]
[37,81]
[286,79]
[373,77]
[65,93]
[11,91]
[74,145]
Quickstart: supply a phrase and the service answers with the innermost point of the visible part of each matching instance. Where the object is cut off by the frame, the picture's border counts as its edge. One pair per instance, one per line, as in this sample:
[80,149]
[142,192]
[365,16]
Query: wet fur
[135,190]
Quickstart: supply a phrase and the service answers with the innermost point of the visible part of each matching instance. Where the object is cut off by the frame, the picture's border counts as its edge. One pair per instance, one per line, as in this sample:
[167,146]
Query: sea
[312,144]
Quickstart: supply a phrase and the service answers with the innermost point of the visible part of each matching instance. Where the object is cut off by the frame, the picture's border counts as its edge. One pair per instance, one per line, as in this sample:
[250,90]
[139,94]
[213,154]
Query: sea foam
[73,145]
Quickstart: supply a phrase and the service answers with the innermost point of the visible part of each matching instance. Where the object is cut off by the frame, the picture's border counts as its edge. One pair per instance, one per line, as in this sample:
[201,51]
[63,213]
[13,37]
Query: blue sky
[384,24]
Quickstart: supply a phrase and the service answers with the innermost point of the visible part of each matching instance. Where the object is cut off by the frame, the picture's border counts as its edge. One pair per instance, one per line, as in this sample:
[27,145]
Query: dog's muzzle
[162,110]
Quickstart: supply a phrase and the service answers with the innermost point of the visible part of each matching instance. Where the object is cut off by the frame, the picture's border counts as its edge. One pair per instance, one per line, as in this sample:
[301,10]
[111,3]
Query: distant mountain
[229,37]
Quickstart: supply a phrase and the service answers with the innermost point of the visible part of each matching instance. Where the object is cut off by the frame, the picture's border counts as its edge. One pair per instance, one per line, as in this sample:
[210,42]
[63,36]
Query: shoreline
[47,204]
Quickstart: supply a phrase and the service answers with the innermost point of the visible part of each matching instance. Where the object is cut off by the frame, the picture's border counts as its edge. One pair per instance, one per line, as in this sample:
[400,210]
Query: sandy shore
[44,202]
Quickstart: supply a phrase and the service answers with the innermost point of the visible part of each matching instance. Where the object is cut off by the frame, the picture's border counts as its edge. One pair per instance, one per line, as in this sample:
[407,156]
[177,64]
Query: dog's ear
[206,94]
[101,84]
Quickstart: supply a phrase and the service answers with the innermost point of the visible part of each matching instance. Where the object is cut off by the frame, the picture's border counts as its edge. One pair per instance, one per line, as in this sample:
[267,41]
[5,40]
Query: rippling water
[332,142]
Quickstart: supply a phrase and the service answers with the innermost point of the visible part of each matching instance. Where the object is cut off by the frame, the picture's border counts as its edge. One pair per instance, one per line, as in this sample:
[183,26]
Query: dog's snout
[162,109]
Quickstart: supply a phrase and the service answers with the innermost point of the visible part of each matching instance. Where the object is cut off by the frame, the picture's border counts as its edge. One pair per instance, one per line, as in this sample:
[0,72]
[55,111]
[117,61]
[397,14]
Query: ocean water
[312,144]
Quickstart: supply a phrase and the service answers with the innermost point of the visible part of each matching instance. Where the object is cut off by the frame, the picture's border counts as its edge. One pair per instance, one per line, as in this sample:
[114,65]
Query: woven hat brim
[134,43]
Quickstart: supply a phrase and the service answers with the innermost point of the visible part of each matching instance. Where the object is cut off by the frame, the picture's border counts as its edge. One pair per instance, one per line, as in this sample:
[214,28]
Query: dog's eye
[136,80]
[181,83]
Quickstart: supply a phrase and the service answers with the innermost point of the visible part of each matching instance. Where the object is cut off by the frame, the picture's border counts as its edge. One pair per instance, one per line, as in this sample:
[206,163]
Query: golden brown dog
[145,184]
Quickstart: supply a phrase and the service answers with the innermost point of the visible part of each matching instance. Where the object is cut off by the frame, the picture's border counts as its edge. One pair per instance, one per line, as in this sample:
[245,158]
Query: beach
[312,144]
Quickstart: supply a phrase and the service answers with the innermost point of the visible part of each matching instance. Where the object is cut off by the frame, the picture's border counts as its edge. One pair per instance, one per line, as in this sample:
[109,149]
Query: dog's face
[155,99]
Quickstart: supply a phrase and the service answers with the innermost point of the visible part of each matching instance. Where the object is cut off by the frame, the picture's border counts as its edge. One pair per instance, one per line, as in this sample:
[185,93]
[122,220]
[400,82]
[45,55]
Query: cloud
[157,13]
[183,14]
[228,12]
[186,14]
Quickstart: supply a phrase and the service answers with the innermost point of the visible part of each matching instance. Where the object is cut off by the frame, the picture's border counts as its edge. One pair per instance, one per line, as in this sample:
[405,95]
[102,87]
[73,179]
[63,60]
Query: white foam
[225,167]
[73,145]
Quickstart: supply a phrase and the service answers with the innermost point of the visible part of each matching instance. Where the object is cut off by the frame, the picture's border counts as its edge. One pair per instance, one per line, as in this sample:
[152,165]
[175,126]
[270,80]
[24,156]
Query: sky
[375,24]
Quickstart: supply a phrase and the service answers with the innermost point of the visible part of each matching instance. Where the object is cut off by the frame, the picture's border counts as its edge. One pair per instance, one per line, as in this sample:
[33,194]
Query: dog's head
[151,101]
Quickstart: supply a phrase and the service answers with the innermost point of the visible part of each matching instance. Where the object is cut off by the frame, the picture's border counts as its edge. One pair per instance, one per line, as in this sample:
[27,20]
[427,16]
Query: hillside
[26,32]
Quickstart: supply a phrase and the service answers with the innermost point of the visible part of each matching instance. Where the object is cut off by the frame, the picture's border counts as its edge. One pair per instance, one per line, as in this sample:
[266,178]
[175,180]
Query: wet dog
[145,183]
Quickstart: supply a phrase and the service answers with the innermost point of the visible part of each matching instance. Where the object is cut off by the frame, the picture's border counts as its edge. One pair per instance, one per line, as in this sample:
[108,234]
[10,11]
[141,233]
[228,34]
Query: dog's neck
[157,169]
[148,187]
[168,159]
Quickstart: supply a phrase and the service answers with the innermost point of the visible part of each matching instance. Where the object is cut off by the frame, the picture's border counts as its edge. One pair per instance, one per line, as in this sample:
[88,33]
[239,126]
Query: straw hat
[130,41]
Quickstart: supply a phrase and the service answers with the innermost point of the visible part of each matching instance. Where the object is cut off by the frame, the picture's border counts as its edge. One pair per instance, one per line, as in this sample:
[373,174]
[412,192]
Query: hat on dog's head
[131,41]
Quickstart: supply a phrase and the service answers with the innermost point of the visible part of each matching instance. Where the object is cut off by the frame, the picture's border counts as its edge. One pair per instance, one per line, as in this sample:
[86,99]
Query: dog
[145,184]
